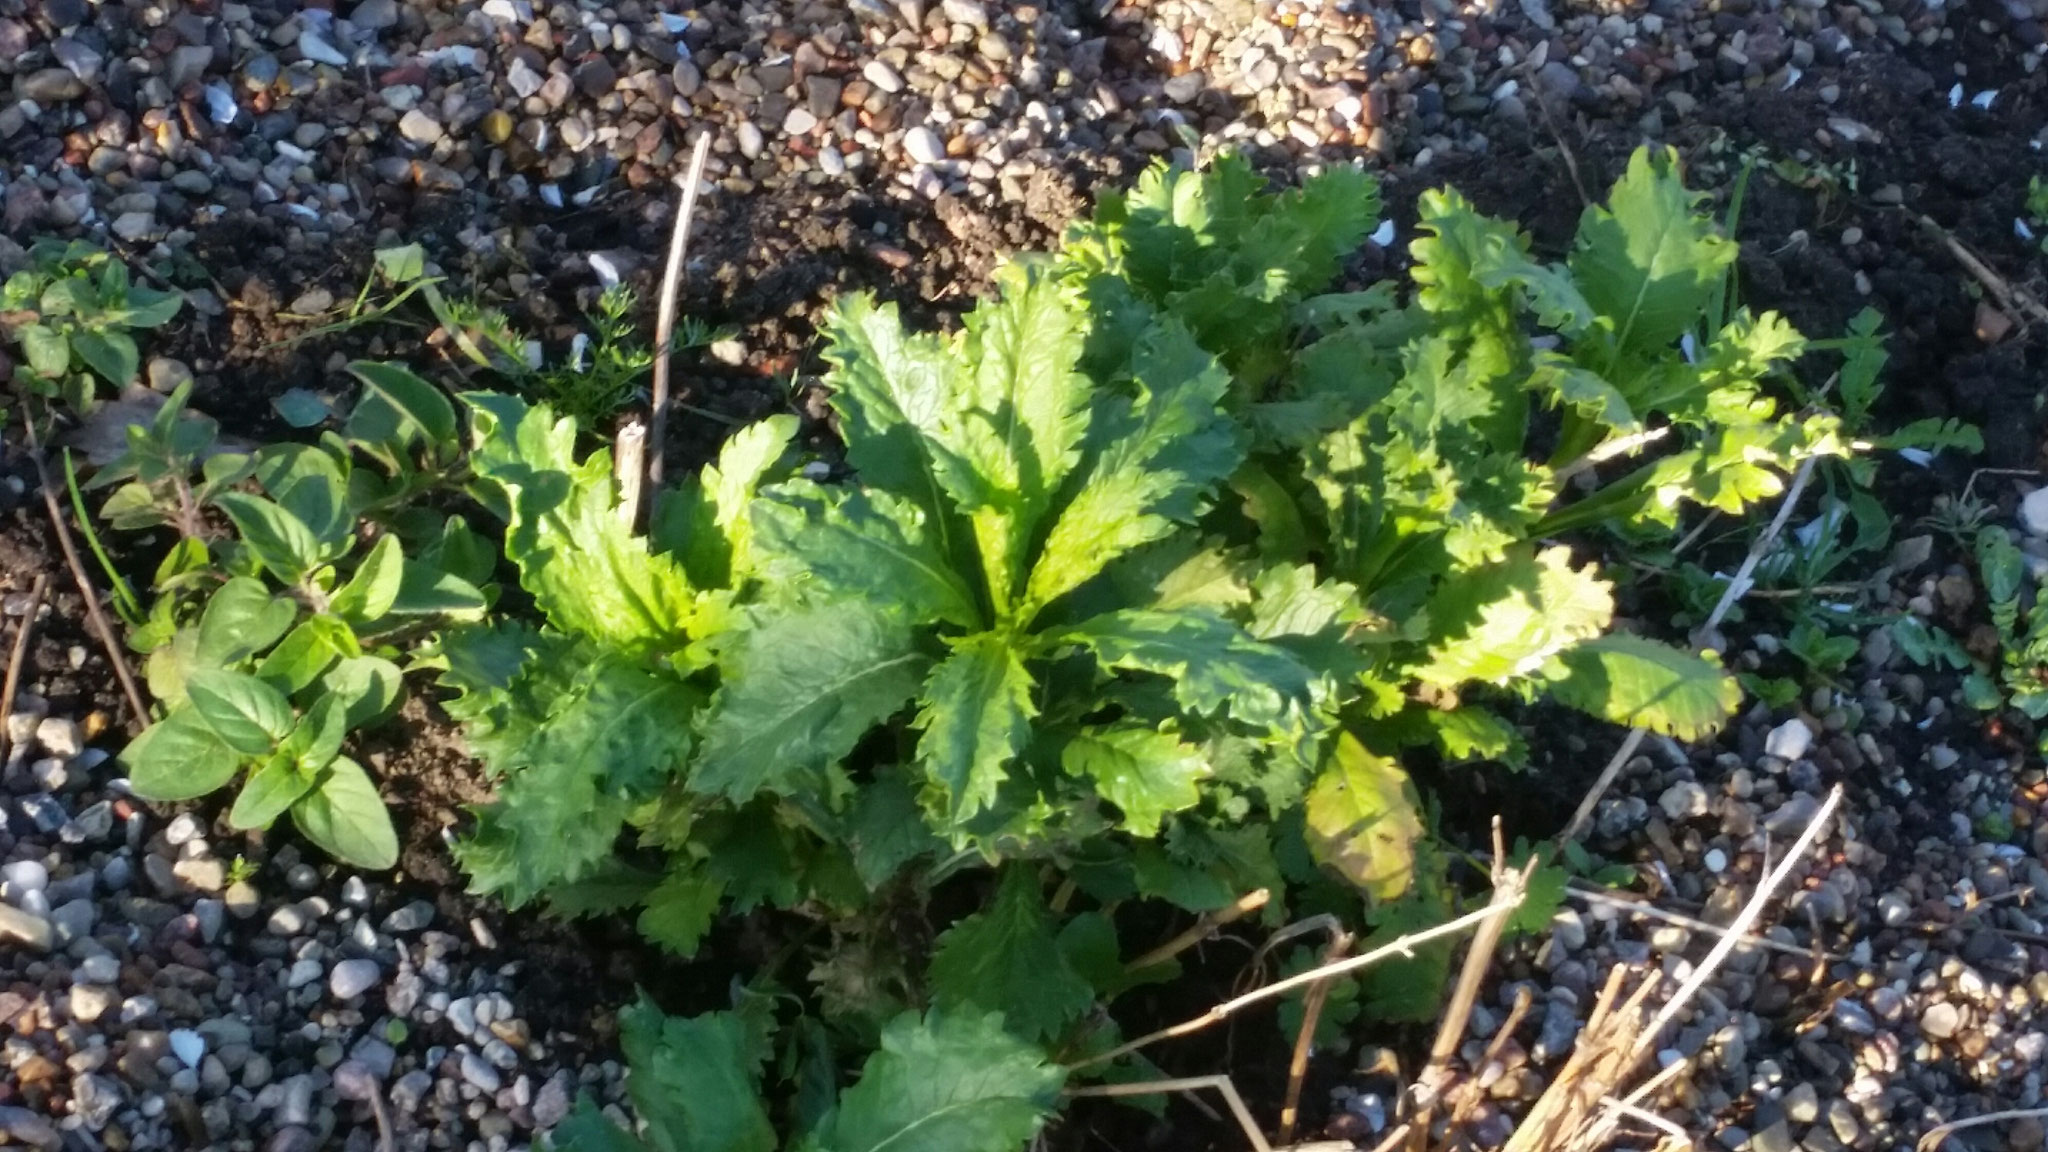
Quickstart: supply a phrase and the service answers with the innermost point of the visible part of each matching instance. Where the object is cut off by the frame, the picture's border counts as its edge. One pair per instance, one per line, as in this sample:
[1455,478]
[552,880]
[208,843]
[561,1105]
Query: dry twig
[1405,946]
[19,657]
[1304,1040]
[665,315]
[1734,592]
[97,619]
[1940,1132]
[2008,294]
[1200,930]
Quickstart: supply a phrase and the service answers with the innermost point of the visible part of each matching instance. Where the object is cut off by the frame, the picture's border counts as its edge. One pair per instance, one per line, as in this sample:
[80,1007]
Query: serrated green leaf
[886,829]
[1507,620]
[1362,819]
[1146,773]
[945,1083]
[856,544]
[799,691]
[179,758]
[696,1081]
[1150,465]
[577,743]
[1214,666]
[891,389]
[1007,959]
[346,818]
[1630,680]
[976,715]
[581,562]
[745,462]
[1648,259]
[680,909]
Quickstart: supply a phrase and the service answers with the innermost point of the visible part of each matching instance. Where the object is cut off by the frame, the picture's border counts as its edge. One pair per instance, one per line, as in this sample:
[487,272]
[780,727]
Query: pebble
[1941,1020]
[2034,513]
[1790,740]
[351,978]
[923,145]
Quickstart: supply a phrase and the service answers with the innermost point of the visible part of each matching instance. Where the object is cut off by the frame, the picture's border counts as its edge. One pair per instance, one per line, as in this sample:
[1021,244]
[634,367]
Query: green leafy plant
[74,312]
[1396,447]
[2037,211]
[269,643]
[944,1082]
[2021,672]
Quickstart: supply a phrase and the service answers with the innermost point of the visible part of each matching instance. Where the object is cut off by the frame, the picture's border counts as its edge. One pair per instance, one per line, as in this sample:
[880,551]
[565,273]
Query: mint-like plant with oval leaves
[73,312]
[271,641]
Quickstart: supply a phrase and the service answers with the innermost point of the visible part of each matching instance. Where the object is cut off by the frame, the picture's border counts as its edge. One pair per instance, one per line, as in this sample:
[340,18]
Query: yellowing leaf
[1362,821]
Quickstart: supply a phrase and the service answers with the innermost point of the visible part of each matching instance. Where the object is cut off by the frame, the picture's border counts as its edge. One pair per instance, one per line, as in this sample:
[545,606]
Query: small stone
[352,978]
[1183,89]
[800,122]
[319,51]
[479,1073]
[133,226]
[1941,1020]
[188,1046]
[374,15]
[286,921]
[23,876]
[98,968]
[302,973]
[1683,799]
[923,145]
[26,928]
[2034,512]
[51,86]
[89,1002]
[1790,740]
[59,736]
[410,918]
[165,374]
[202,873]
[1802,1104]
[882,76]
[750,139]
[596,77]
[420,128]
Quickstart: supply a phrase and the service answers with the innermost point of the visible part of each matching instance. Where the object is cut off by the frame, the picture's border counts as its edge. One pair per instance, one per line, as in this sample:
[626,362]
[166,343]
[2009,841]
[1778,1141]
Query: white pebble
[1790,740]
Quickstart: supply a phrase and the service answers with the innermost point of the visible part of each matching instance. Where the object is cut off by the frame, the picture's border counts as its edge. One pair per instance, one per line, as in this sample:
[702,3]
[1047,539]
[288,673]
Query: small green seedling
[269,644]
[73,312]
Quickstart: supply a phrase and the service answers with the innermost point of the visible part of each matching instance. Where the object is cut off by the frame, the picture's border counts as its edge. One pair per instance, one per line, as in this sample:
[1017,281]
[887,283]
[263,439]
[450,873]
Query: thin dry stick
[139,717]
[19,657]
[1940,1132]
[1740,927]
[665,315]
[1508,888]
[1740,584]
[1199,931]
[1576,891]
[1405,946]
[1467,1100]
[1645,1116]
[1736,587]
[2008,294]
[1311,1014]
[1221,1084]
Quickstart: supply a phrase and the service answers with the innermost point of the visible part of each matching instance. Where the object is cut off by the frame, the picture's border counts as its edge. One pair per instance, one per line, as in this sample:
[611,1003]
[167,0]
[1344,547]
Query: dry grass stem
[19,657]
[95,617]
[1203,926]
[1405,946]
[665,313]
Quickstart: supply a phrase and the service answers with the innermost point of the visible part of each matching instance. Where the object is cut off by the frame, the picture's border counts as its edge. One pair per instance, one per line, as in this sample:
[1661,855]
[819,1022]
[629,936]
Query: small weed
[74,312]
